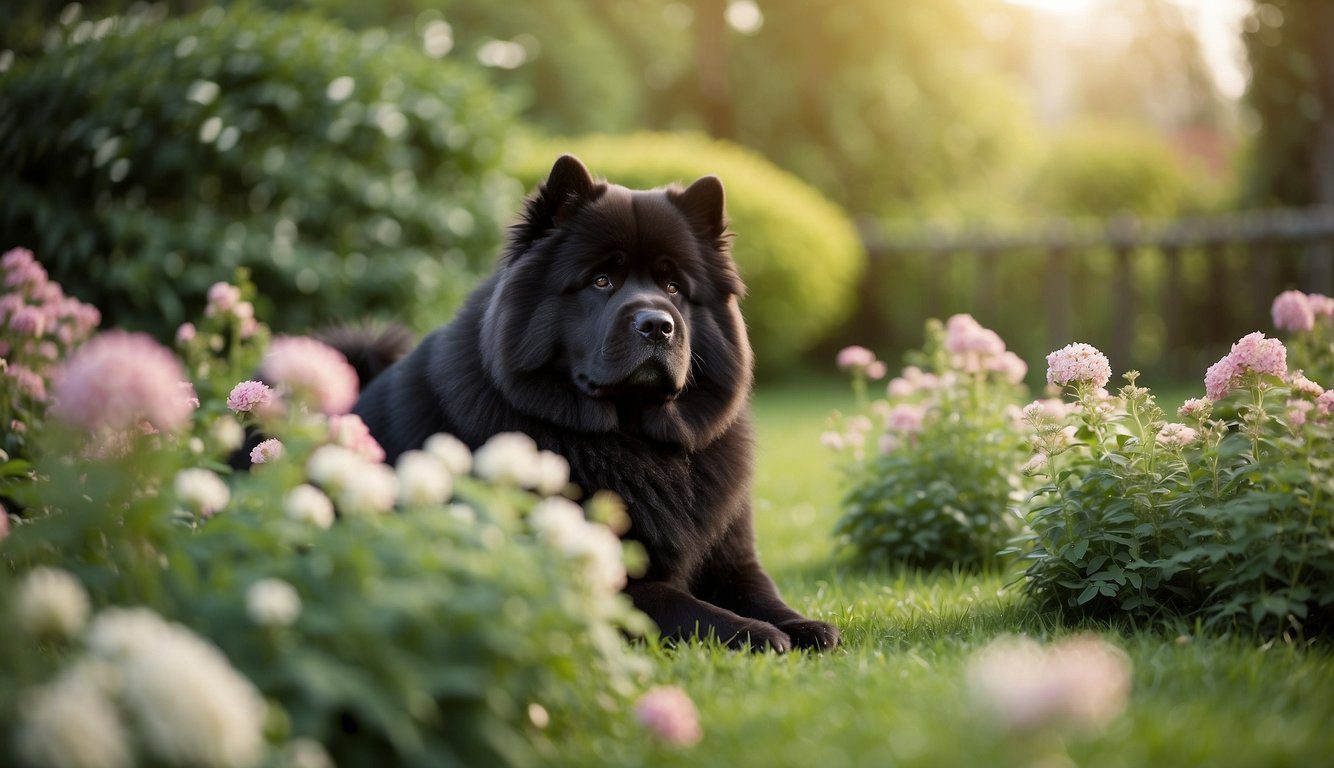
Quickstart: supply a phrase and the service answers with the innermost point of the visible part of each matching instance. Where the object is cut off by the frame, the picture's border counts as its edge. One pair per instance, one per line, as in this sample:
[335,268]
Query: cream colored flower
[51,603]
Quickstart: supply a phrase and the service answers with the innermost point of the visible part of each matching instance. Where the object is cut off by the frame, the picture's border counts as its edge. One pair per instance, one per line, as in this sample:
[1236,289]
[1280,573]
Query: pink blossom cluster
[37,320]
[224,300]
[1252,353]
[906,418]
[1080,681]
[1196,406]
[976,349]
[913,380]
[861,361]
[349,431]
[267,451]
[1078,364]
[1297,312]
[248,396]
[312,370]
[1325,403]
[670,715]
[1304,387]
[118,380]
[1176,435]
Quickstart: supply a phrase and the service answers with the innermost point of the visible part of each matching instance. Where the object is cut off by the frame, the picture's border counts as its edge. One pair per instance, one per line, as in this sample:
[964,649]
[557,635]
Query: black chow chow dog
[610,332]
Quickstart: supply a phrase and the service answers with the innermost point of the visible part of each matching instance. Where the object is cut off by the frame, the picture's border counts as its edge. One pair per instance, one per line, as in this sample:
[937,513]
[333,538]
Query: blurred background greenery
[362,157]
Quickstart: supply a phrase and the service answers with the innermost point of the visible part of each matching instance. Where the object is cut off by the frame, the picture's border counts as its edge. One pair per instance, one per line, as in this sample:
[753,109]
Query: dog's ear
[568,184]
[705,206]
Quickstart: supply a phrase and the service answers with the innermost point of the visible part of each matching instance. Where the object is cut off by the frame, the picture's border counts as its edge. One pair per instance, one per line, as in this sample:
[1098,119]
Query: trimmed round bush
[352,174]
[798,253]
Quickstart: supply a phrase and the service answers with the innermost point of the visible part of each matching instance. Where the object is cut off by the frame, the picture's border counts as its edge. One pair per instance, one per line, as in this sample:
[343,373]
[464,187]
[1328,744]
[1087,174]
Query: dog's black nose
[653,324]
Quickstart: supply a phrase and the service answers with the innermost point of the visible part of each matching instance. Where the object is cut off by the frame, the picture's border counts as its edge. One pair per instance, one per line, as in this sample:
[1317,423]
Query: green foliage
[1102,171]
[1232,527]
[433,635]
[798,253]
[352,174]
[936,483]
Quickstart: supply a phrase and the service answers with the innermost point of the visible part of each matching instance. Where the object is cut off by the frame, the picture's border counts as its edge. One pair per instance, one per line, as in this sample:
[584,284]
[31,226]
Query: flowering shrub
[234,622]
[1225,514]
[1309,317]
[933,466]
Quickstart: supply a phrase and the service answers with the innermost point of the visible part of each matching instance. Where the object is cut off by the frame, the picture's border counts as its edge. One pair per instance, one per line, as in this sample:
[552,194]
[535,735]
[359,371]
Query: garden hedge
[798,253]
[353,174]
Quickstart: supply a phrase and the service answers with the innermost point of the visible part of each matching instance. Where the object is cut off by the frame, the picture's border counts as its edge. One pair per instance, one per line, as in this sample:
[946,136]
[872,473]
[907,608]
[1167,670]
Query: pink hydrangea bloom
[1253,352]
[312,369]
[28,321]
[249,395]
[1325,403]
[1321,305]
[1177,435]
[906,418]
[222,298]
[1194,406]
[1304,387]
[1078,363]
[670,715]
[854,358]
[350,431]
[16,258]
[22,270]
[269,450]
[186,333]
[119,379]
[28,381]
[1292,311]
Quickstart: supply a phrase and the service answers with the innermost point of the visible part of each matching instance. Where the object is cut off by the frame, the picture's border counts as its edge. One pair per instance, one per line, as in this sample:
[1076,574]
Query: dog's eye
[673,288]
[602,281]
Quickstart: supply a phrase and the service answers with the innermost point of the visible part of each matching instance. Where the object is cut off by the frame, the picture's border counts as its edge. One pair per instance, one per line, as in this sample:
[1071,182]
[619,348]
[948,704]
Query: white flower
[202,491]
[308,504]
[228,433]
[510,458]
[51,603]
[187,703]
[553,473]
[272,603]
[369,490]
[331,465]
[306,753]
[452,451]
[69,723]
[561,523]
[423,479]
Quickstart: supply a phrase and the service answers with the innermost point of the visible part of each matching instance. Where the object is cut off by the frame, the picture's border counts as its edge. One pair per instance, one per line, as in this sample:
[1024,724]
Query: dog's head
[617,309]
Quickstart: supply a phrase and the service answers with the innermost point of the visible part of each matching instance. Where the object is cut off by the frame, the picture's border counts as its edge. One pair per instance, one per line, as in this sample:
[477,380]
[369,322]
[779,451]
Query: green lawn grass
[894,694]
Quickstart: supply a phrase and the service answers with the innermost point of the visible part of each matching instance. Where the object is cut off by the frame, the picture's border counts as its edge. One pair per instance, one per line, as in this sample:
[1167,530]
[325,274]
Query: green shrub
[798,253]
[350,173]
[1101,171]
[1225,517]
[410,631]
[933,482]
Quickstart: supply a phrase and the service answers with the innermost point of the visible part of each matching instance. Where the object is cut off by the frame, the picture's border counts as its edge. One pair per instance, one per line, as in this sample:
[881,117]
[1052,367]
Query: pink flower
[10,304]
[965,335]
[906,418]
[1292,311]
[1080,363]
[16,258]
[222,297]
[1010,366]
[249,395]
[1325,403]
[832,440]
[1304,387]
[670,715]
[350,431]
[854,358]
[1253,352]
[269,450]
[1297,411]
[186,333]
[28,321]
[1080,681]
[876,371]
[28,381]
[900,387]
[309,368]
[24,272]
[1194,406]
[1321,305]
[1176,435]
[187,390]
[117,380]
[1048,408]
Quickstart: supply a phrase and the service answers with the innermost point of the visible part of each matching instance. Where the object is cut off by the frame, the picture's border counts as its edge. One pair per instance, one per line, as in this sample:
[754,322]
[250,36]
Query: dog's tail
[369,346]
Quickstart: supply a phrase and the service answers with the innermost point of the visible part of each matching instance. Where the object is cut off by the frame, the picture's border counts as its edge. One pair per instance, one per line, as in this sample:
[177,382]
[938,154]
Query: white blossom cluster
[561,523]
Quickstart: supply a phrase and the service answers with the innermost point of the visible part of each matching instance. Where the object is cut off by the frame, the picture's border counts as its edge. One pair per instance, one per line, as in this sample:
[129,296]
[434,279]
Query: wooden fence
[1247,257]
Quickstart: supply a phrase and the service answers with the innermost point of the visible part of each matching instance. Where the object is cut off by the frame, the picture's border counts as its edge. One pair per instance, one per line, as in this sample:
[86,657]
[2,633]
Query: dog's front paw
[760,636]
[808,633]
